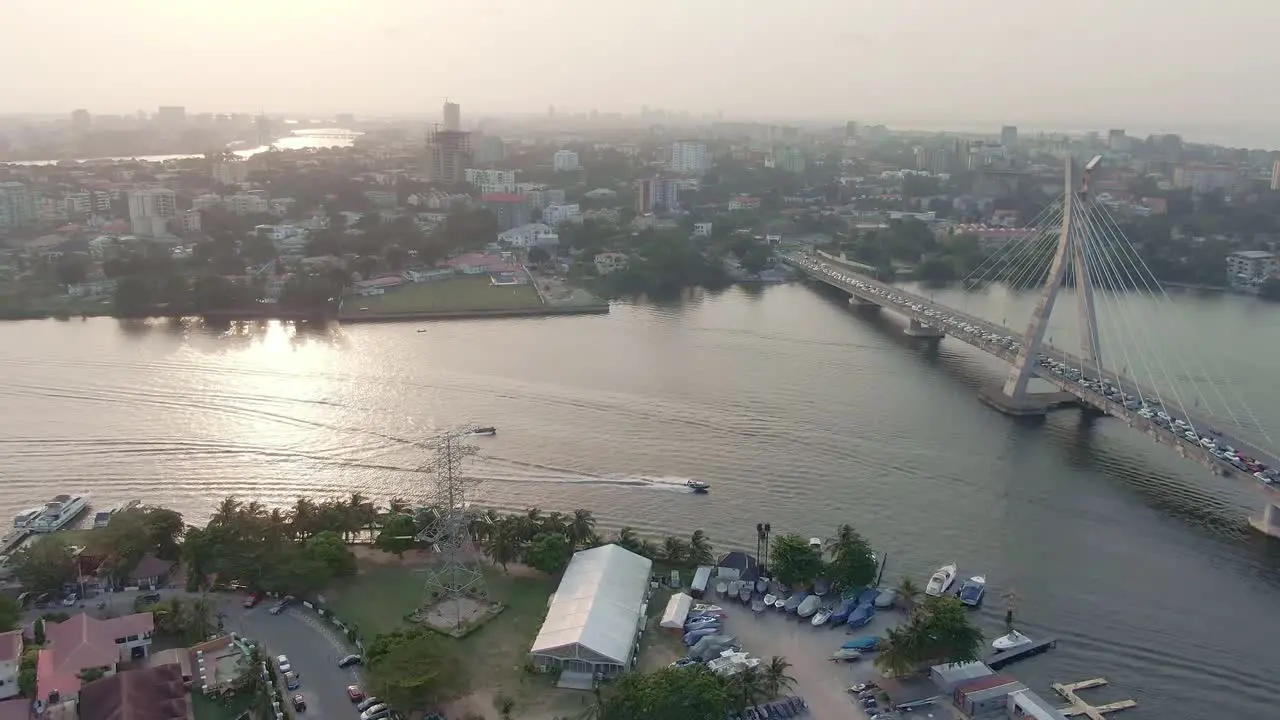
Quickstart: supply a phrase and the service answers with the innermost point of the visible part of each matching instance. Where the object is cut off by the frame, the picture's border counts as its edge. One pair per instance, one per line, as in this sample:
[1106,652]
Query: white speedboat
[59,513]
[1013,640]
[821,617]
[770,599]
[941,580]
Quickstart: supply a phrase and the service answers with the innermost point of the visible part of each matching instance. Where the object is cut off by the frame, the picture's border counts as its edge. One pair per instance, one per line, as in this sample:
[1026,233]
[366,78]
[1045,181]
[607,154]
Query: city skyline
[989,62]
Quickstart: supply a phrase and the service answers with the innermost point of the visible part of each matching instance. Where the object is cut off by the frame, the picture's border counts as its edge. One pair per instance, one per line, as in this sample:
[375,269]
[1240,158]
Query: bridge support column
[862,305]
[915,328]
[1268,523]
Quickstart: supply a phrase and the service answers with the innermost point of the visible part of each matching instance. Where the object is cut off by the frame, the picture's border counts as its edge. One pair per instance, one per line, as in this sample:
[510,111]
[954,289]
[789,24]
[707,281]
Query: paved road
[313,648]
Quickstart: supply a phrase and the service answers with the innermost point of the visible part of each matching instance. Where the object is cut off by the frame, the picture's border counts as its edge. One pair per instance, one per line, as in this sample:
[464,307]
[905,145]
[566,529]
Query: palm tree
[896,654]
[628,539]
[581,527]
[776,679]
[504,543]
[649,549]
[530,524]
[700,549]
[227,511]
[674,550]
[908,594]
[557,523]
[397,506]
[303,518]
[746,687]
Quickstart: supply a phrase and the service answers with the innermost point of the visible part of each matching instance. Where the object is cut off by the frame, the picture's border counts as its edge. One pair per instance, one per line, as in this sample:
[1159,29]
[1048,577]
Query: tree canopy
[671,693]
[852,562]
[413,669]
[793,560]
[45,564]
[939,631]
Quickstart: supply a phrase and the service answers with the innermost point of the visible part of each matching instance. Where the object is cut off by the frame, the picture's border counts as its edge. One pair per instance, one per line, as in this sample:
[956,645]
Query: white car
[283,663]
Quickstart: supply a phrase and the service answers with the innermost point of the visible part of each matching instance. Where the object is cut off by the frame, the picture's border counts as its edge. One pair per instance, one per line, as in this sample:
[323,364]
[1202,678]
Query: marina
[53,516]
[102,518]
[1000,659]
[1080,707]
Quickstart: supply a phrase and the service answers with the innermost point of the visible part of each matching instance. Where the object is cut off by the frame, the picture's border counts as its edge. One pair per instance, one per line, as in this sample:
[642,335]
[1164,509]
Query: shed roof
[598,604]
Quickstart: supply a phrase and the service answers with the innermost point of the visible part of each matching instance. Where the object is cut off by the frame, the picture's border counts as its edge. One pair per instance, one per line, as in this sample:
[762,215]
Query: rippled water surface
[799,413]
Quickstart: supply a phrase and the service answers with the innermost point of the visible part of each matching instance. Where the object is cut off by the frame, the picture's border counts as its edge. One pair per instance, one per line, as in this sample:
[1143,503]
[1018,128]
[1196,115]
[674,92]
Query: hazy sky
[1098,63]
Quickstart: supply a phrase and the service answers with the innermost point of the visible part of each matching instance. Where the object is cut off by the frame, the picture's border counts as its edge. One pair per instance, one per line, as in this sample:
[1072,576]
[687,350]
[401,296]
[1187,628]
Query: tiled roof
[10,645]
[155,693]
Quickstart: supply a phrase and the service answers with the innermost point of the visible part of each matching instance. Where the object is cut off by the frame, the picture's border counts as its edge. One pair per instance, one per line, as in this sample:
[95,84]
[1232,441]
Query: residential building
[510,209]
[50,210]
[541,196]
[83,643]
[789,159]
[207,201]
[488,149]
[1203,178]
[382,198]
[690,157]
[189,221]
[492,181]
[529,235]
[986,696]
[246,204]
[172,120]
[78,203]
[150,210]
[231,172]
[1117,141]
[657,194]
[276,233]
[151,572]
[601,194]
[153,693]
[480,263]
[1275,174]
[448,156]
[611,262]
[1250,268]
[565,161]
[10,658]
[17,206]
[554,215]
[744,202]
[1009,135]
[702,229]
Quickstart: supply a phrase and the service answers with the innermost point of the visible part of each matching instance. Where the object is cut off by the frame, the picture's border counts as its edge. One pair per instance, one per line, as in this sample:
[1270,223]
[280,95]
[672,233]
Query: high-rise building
[231,172]
[1117,141]
[850,129]
[511,210]
[150,210]
[17,206]
[1009,135]
[448,156]
[1275,174]
[488,149]
[690,157]
[565,161]
[789,159]
[452,116]
[657,194]
[492,181]
[81,120]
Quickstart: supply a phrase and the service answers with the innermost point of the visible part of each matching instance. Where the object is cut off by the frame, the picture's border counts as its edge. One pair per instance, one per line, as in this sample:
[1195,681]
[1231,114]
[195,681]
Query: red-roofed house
[83,643]
[10,659]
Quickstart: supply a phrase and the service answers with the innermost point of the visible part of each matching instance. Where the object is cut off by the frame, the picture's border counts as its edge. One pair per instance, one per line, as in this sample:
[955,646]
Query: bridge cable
[1022,263]
[1008,247]
[1128,248]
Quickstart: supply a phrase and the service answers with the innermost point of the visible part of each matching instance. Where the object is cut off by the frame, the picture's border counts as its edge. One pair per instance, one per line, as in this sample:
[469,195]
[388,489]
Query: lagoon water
[798,411]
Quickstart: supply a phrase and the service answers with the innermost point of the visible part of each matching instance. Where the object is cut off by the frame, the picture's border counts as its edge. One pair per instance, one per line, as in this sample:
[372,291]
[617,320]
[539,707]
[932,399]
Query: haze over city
[1189,68]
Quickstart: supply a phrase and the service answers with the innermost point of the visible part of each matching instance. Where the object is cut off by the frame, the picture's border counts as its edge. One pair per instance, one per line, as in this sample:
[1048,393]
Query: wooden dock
[13,540]
[1080,707]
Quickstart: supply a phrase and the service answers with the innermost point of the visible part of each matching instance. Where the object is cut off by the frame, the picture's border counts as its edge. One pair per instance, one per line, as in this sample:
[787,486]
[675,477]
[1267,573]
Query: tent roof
[677,611]
[598,604]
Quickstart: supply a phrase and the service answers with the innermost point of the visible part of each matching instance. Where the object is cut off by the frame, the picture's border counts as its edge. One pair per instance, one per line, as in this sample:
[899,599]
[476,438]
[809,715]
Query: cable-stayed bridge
[1075,243]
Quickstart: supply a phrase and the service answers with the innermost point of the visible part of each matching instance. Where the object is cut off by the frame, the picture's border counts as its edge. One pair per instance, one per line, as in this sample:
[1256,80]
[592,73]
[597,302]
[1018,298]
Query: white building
[79,203]
[529,235]
[150,210]
[231,172]
[565,160]
[207,201]
[10,659]
[246,204]
[190,221]
[1251,267]
[596,615]
[17,206]
[554,215]
[690,157]
[492,181]
[702,229]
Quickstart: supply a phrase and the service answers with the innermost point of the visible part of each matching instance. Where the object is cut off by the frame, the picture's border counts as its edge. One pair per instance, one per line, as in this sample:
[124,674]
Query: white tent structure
[677,612]
[596,614]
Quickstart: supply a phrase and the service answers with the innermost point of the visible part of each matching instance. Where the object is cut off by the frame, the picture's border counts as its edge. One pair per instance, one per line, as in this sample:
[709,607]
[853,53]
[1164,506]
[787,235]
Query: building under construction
[448,155]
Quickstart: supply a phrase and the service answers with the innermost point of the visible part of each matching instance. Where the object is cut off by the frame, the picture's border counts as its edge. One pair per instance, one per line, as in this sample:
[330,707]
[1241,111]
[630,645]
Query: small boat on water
[770,599]
[941,580]
[487,430]
[697,486]
[821,617]
[809,606]
[972,590]
[1013,640]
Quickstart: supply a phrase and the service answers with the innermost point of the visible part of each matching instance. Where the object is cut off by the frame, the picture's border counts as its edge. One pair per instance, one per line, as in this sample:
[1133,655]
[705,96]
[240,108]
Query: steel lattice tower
[456,572]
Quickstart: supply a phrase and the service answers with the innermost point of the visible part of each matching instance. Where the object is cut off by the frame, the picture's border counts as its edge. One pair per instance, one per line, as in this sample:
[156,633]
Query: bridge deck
[832,274]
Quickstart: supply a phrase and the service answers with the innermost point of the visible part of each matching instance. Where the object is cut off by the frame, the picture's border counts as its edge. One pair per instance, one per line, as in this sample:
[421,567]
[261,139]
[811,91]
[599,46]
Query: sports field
[463,294]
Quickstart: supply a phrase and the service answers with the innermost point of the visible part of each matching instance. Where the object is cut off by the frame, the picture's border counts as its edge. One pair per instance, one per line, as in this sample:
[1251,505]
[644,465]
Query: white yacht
[59,513]
[23,520]
[1013,640]
[102,518]
[941,580]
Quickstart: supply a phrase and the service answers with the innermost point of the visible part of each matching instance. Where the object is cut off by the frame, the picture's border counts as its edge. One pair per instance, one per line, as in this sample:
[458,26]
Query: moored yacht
[102,518]
[941,580]
[1013,640]
[24,519]
[59,513]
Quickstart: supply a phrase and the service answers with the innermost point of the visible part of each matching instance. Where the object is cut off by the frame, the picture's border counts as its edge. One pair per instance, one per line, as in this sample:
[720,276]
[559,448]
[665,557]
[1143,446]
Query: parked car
[284,603]
[355,693]
[70,600]
[282,662]
[368,703]
[253,600]
[377,712]
[350,660]
[291,680]
[299,703]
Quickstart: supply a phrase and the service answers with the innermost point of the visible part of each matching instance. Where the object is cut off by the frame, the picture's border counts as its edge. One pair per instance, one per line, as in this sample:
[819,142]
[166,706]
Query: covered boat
[692,637]
[846,655]
[809,606]
[841,614]
[886,598]
[793,603]
[865,643]
[744,590]
[757,605]
[861,615]
[941,580]
[972,590]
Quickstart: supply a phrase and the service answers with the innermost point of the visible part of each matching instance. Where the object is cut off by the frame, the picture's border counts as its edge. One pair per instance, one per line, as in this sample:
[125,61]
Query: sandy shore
[818,680]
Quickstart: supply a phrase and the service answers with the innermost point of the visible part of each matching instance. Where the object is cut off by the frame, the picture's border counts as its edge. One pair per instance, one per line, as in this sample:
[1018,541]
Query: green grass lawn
[454,295]
[207,708]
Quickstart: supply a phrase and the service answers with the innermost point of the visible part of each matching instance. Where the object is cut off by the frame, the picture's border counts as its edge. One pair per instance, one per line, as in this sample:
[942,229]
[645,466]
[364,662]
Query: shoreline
[240,315]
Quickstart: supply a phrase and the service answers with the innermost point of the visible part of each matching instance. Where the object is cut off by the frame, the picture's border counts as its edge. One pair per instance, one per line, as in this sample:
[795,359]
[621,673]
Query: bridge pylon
[1012,398]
